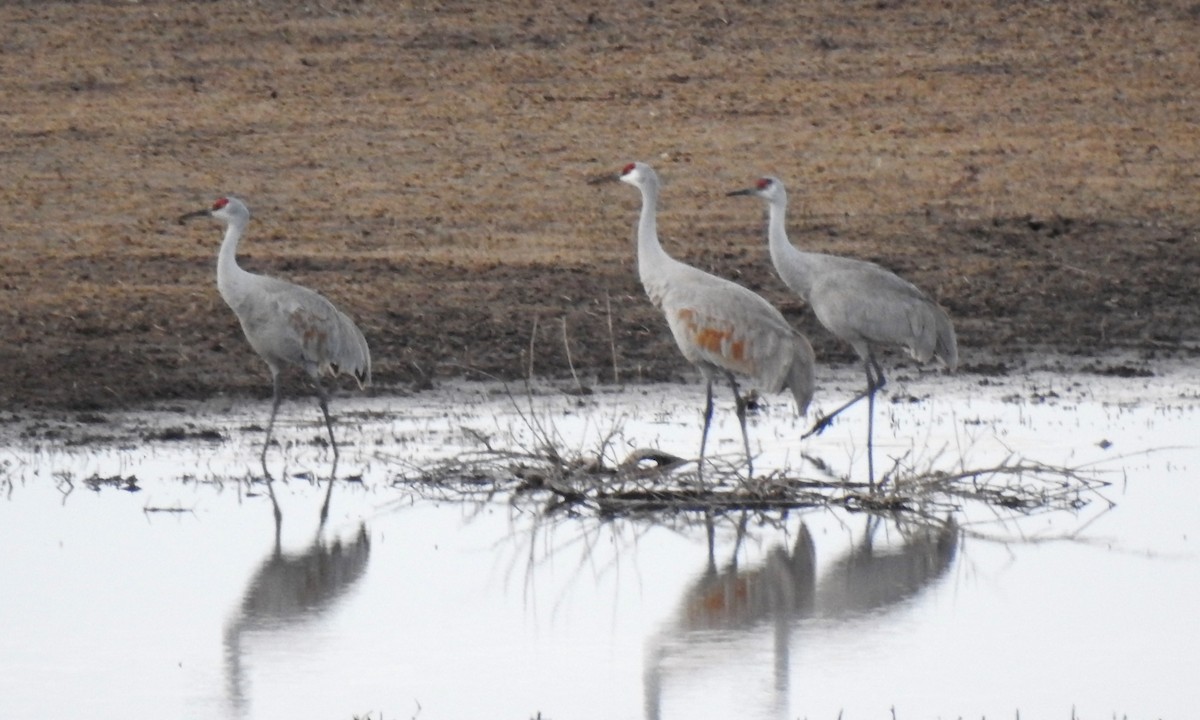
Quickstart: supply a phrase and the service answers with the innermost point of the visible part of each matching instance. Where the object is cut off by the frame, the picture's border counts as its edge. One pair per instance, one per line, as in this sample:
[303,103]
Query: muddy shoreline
[427,167]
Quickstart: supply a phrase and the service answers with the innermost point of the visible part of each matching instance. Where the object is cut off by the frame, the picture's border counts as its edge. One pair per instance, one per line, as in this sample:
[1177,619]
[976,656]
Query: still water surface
[406,605]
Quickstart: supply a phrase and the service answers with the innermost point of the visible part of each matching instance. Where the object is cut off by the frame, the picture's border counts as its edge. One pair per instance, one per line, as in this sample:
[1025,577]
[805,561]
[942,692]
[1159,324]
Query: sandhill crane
[859,302]
[720,326]
[287,325]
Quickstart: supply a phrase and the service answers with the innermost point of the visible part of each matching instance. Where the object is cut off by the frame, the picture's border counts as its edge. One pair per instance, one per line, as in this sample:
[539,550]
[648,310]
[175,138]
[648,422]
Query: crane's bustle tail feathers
[946,348]
[349,352]
[801,379]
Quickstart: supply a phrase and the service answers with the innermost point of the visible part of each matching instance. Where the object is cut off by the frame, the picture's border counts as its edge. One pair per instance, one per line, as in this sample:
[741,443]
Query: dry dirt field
[425,165]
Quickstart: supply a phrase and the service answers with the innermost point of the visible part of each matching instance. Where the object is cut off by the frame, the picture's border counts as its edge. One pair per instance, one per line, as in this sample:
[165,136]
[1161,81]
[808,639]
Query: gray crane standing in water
[859,302]
[287,325]
[721,327]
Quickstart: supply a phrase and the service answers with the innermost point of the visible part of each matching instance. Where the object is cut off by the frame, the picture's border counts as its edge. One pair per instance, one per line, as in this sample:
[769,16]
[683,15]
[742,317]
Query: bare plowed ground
[425,165]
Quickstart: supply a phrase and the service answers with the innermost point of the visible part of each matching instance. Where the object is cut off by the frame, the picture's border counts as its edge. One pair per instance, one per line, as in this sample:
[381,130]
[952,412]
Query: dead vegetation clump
[541,472]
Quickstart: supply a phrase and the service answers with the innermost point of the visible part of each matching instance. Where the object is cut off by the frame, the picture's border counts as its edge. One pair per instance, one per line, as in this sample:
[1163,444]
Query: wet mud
[426,167]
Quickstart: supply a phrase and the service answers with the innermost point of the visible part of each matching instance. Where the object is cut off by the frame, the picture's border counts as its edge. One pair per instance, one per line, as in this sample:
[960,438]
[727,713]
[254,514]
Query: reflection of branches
[578,494]
[583,548]
[7,481]
[64,485]
[565,503]
[95,482]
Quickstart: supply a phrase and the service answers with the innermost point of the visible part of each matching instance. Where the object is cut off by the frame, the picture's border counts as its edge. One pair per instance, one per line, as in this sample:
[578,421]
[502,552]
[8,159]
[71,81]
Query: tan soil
[425,165]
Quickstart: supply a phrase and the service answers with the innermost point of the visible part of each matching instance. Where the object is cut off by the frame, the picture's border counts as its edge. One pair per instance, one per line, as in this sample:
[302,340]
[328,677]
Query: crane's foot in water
[820,425]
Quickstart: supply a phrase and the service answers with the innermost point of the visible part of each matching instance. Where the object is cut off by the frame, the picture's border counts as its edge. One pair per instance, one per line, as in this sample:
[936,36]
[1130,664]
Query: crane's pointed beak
[198,213]
[744,191]
[604,179]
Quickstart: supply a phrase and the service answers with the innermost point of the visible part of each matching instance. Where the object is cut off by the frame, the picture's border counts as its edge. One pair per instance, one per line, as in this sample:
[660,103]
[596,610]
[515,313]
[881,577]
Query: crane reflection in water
[785,589]
[289,590]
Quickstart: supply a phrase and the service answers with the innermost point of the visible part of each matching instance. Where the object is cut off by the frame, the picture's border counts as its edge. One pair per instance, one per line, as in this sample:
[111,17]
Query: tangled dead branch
[542,474]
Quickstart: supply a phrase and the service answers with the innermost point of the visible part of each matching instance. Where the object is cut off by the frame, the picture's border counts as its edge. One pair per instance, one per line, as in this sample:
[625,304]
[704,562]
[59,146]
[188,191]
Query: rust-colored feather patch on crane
[716,340]
[313,336]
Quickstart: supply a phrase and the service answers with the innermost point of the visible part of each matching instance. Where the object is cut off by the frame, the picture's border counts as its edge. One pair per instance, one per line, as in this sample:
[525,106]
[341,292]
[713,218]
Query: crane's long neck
[790,263]
[230,276]
[652,259]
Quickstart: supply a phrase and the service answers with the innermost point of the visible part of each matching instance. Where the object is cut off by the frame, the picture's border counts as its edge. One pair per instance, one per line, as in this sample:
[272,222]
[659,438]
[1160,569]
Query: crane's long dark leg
[875,378]
[743,523]
[708,413]
[871,442]
[825,421]
[741,416]
[277,396]
[324,400]
[875,381]
[711,528]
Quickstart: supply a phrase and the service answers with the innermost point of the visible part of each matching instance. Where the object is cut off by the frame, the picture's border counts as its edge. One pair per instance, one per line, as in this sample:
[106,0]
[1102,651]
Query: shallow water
[175,601]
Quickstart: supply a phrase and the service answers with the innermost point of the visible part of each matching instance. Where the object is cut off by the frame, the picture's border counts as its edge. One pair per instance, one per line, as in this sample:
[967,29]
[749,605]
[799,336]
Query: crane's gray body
[867,306]
[719,325]
[286,324]
[858,301]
